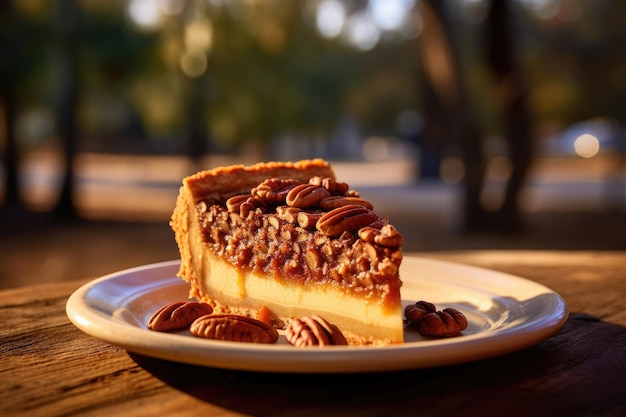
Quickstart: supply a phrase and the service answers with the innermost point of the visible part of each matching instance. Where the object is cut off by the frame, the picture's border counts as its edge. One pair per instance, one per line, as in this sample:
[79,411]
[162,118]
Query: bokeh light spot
[193,63]
[452,170]
[330,18]
[586,145]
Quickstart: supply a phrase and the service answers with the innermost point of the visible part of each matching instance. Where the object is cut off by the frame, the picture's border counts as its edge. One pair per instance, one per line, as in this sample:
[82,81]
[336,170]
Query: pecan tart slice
[288,238]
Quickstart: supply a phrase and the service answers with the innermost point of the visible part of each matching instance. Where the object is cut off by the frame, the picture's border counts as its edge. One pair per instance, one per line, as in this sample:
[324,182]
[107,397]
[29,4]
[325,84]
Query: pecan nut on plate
[178,315]
[433,323]
[313,331]
[233,328]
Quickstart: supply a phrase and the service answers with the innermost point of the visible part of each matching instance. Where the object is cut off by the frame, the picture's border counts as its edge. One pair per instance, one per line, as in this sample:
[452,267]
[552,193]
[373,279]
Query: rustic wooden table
[50,368]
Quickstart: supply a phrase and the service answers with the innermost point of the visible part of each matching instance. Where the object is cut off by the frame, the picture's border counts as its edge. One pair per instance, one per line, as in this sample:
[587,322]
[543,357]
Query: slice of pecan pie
[288,239]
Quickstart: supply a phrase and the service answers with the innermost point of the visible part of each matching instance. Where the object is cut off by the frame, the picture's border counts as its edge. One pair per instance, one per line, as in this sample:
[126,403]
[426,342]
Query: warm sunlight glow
[199,34]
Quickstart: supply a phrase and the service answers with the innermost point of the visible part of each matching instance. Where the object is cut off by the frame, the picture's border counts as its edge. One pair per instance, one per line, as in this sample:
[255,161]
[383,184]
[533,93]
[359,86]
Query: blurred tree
[448,114]
[510,90]
[44,56]
[67,27]
[269,72]
[21,56]
[10,60]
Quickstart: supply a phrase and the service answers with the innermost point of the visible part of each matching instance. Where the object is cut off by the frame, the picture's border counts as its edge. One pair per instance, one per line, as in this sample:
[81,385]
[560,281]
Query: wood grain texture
[50,368]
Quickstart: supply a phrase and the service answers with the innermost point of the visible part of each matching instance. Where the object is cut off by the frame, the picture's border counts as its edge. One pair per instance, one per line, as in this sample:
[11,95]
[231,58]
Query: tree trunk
[448,120]
[510,91]
[67,20]
[8,105]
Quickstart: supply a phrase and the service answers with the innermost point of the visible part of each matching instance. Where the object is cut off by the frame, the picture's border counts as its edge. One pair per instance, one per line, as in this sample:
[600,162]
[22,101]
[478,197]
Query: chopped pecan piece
[308,220]
[314,331]
[288,214]
[264,314]
[387,236]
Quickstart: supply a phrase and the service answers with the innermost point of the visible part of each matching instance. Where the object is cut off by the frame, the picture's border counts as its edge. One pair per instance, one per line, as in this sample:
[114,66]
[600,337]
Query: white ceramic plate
[505,314]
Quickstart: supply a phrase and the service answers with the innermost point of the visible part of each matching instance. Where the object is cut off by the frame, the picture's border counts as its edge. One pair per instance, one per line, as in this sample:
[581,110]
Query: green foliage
[272,73]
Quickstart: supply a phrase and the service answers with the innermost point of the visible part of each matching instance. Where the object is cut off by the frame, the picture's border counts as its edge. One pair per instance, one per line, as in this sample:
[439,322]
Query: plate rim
[332,359]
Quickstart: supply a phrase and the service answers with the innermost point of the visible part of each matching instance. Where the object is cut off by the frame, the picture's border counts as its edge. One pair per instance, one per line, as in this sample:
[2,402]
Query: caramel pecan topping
[274,190]
[348,218]
[288,214]
[333,202]
[333,186]
[307,220]
[294,229]
[313,259]
[201,207]
[178,315]
[313,331]
[306,195]
[387,236]
[233,328]
[251,204]
[378,224]
[234,203]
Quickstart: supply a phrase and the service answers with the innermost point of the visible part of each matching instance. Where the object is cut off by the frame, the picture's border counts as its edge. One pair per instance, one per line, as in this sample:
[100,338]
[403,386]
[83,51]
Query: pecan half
[251,204]
[178,315]
[234,203]
[313,331]
[348,218]
[306,195]
[274,190]
[333,186]
[416,312]
[448,322]
[233,328]
[387,236]
[335,201]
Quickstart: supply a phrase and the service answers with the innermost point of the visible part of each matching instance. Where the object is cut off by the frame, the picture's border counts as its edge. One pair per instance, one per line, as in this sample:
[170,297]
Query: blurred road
[144,188]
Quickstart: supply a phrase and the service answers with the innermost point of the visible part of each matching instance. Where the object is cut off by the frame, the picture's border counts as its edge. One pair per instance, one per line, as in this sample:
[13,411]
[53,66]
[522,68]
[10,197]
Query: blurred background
[473,124]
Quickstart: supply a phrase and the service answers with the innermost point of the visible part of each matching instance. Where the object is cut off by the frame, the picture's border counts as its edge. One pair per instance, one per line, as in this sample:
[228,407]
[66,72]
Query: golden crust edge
[222,182]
